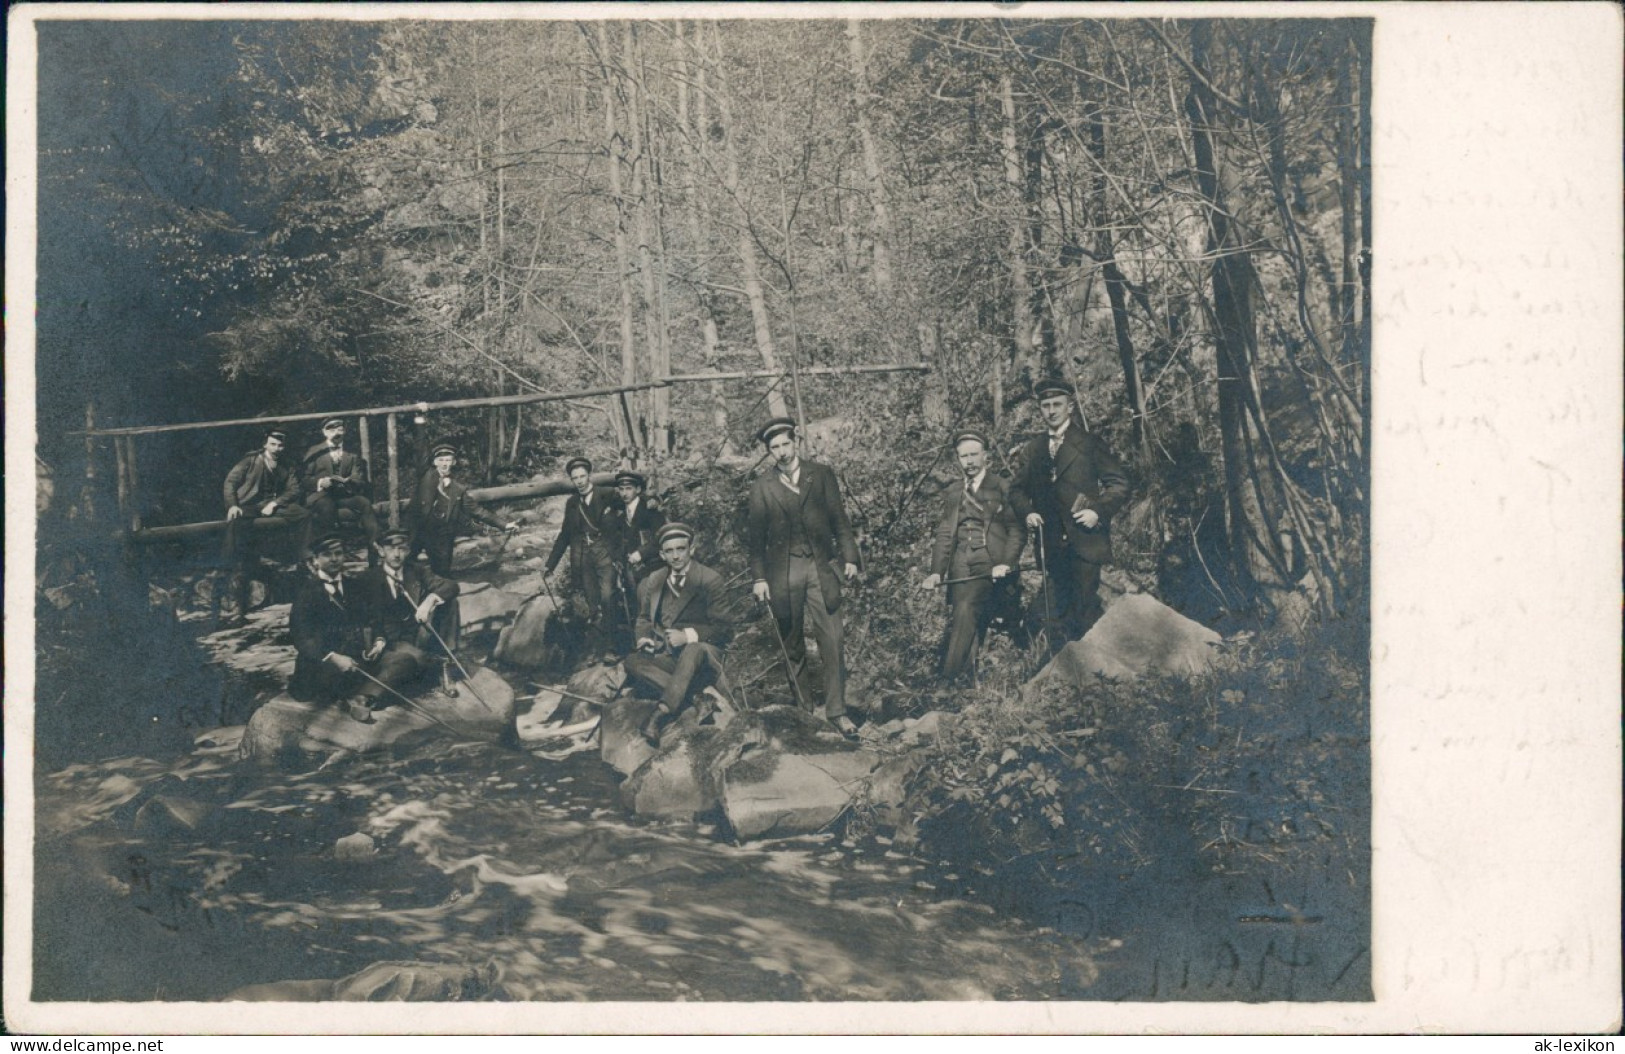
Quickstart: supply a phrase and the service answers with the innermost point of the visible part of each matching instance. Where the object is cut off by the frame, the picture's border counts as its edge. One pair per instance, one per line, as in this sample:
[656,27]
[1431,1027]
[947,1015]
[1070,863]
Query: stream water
[191,880]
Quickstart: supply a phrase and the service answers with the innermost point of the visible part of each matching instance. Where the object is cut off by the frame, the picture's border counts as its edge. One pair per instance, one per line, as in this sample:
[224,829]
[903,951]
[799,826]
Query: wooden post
[366,450]
[123,478]
[394,473]
[134,516]
[88,497]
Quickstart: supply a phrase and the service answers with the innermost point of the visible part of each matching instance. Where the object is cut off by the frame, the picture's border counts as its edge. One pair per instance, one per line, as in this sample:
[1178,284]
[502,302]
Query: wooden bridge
[128,475]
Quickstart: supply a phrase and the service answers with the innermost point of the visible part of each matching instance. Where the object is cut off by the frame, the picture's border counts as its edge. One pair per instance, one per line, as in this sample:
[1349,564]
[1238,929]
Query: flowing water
[195,879]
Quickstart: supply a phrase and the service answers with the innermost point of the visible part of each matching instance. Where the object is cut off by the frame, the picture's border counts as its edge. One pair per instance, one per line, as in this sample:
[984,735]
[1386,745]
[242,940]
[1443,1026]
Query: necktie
[395,584]
[676,584]
[334,587]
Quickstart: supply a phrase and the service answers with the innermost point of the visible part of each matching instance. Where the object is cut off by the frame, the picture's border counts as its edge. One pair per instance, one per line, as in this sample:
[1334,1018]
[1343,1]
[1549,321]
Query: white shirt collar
[1060,432]
[975,483]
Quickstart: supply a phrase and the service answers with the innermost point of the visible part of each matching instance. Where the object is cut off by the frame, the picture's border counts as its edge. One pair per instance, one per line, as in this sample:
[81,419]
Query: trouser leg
[398,666]
[1085,588]
[694,663]
[966,603]
[651,671]
[827,631]
[793,631]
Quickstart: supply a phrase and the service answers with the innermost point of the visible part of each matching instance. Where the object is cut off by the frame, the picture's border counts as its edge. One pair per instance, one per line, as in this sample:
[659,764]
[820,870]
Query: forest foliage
[1174,214]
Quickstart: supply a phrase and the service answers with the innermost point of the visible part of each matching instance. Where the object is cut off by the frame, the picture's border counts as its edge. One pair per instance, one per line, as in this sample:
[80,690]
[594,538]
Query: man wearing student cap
[441,509]
[976,550]
[796,528]
[589,534]
[680,630]
[337,479]
[637,525]
[262,486]
[1070,485]
[328,627]
[402,601]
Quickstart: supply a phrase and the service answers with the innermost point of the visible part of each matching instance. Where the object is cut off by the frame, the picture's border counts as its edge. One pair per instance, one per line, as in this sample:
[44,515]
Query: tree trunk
[1027,326]
[695,122]
[749,267]
[623,266]
[657,350]
[1255,549]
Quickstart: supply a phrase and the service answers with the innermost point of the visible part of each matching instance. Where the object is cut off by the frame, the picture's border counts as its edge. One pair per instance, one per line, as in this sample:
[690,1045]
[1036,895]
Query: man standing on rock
[406,607]
[680,632]
[328,627]
[1069,488]
[337,479]
[262,486]
[589,532]
[977,545]
[638,523]
[796,524]
[441,509]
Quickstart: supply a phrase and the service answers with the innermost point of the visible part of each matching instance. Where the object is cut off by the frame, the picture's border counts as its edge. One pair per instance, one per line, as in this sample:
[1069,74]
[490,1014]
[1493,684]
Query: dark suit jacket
[774,508]
[699,608]
[349,472]
[318,625]
[250,483]
[1006,536]
[434,513]
[1083,474]
[639,535]
[581,524]
[394,618]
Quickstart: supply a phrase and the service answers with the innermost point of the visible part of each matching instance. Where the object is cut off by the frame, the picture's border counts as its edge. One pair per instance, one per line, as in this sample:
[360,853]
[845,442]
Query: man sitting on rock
[680,631]
[328,625]
[336,480]
[407,606]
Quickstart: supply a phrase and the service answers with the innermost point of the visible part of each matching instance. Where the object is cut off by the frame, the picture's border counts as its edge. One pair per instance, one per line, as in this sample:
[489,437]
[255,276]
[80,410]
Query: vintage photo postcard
[916,518]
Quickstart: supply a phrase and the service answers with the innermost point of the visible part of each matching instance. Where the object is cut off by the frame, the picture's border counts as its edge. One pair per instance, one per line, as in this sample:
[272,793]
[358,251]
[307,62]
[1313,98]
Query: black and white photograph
[691,505]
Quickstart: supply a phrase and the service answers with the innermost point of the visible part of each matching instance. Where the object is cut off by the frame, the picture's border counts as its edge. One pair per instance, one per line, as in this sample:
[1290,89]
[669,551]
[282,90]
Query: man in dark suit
[262,486]
[589,533]
[441,509]
[680,630]
[977,545]
[401,602]
[337,479]
[327,624]
[637,524]
[1070,486]
[796,525]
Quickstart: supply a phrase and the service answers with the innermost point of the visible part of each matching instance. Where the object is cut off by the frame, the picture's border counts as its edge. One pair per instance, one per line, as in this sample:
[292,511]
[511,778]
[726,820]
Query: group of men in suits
[1067,488]
[362,645]
[364,641]
[330,485]
[802,553]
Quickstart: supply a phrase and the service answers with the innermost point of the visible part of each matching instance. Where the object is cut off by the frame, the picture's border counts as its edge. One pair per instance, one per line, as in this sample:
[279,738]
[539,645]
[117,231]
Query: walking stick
[410,705]
[789,667]
[548,589]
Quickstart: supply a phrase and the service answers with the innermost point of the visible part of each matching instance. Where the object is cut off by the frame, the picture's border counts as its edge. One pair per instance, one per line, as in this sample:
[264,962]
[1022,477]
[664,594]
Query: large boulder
[620,734]
[524,641]
[1138,636]
[486,607]
[774,794]
[672,784]
[483,708]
